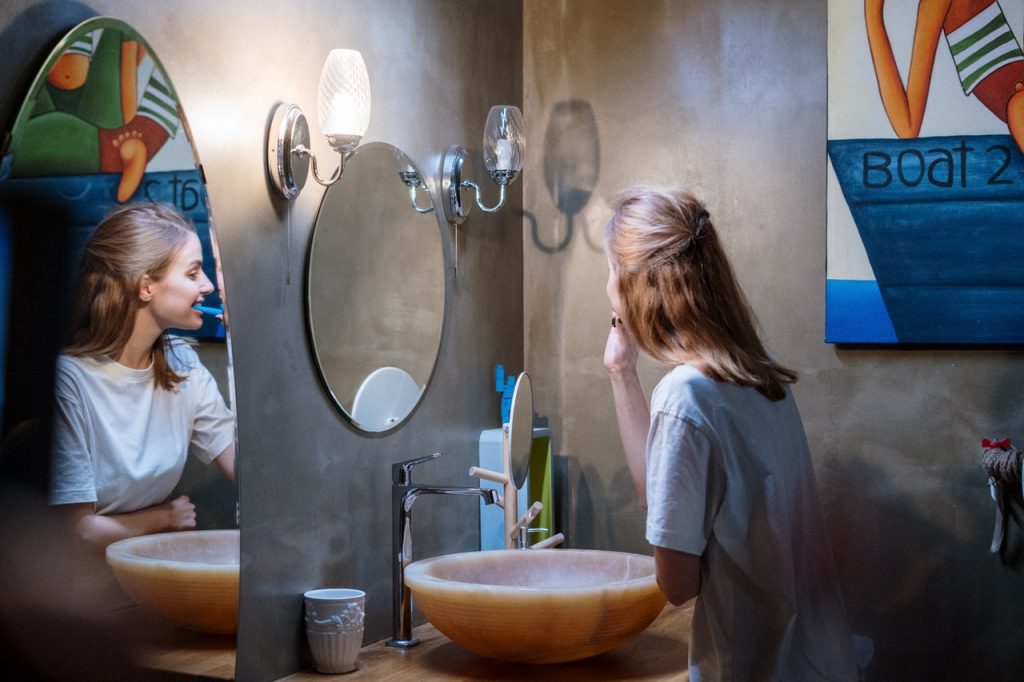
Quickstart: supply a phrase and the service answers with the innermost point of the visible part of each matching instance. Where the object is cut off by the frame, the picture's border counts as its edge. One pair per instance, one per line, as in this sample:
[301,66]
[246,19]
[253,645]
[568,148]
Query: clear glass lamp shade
[504,143]
[343,103]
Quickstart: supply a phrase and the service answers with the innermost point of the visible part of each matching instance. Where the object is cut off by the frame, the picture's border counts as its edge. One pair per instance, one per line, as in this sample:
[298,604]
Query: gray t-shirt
[730,479]
[120,441]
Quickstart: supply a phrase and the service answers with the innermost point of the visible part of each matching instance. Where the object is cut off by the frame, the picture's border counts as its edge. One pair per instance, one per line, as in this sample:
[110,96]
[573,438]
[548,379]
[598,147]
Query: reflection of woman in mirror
[132,401]
[988,60]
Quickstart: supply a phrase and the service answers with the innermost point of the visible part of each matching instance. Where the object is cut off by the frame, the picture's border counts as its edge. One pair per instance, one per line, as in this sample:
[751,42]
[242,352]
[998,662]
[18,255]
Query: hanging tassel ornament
[1002,462]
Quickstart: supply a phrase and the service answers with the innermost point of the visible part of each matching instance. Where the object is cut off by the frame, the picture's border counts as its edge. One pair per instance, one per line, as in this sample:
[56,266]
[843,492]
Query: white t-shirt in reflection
[122,442]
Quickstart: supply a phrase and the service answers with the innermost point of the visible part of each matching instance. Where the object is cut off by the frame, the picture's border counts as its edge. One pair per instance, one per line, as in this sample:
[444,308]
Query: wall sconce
[343,109]
[504,147]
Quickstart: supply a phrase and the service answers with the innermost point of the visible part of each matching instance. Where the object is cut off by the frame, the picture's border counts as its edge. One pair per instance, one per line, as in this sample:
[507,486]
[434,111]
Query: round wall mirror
[375,288]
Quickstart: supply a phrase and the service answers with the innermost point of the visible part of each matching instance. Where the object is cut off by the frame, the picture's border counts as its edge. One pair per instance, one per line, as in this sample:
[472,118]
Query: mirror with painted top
[144,381]
[375,288]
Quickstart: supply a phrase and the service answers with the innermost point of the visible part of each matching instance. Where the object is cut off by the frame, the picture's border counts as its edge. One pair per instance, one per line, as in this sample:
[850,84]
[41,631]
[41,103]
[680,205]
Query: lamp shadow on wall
[572,161]
[598,514]
[916,570]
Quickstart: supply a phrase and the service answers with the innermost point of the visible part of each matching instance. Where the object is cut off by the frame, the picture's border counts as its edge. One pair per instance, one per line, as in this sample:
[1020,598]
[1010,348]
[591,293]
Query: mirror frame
[187,191]
[520,430]
[414,190]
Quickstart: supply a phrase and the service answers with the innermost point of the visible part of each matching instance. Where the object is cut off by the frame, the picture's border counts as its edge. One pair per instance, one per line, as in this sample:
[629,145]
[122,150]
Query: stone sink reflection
[190,578]
[537,605]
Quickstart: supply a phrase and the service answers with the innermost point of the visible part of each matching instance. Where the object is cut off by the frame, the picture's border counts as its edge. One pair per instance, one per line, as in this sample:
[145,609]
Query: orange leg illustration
[1001,91]
[1015,114]
[905,106]
[133,163]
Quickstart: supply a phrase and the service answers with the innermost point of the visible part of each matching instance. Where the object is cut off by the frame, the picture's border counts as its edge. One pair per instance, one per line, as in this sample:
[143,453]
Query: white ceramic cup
[334,625]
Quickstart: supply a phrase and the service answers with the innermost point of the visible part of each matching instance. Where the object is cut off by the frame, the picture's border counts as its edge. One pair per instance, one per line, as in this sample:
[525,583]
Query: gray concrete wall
[315,494]
[729,98]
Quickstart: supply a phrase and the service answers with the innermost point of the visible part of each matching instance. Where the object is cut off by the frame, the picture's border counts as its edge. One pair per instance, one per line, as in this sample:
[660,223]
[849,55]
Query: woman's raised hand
[620,351]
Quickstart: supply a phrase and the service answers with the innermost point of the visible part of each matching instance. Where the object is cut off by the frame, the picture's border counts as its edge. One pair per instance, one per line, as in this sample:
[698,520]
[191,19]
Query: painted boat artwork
[942,222]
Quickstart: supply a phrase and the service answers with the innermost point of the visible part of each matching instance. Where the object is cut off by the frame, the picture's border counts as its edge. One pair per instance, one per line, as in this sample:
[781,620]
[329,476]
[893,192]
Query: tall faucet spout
[404,495]
[489,495]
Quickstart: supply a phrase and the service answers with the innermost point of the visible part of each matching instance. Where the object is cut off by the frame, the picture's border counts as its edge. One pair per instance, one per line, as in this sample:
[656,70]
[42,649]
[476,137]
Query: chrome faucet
[403,495]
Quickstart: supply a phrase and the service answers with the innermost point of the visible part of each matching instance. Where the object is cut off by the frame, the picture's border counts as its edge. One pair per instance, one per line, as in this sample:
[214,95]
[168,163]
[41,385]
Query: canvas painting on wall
[925,172]
[102,126]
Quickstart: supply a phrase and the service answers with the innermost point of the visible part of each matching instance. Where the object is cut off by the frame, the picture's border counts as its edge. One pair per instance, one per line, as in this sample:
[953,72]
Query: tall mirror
[375,288]
[100,129]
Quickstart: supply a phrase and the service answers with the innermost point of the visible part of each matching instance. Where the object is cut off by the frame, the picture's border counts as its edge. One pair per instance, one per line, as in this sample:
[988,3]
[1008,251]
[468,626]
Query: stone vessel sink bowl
[190,578]
[537,605]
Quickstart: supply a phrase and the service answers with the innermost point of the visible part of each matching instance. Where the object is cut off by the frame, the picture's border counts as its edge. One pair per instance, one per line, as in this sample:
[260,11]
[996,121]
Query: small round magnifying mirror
[520,430]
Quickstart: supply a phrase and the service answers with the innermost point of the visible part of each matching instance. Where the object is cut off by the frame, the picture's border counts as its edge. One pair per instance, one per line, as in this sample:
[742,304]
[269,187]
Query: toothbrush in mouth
[208,310]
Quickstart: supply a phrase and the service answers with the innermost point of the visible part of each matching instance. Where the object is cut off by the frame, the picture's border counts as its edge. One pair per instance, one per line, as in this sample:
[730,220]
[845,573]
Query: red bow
[1001,444]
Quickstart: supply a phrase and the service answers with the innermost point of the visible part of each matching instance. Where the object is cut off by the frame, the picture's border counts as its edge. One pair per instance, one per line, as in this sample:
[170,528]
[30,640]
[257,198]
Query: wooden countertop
[159,645]
[207,656]
[658,653]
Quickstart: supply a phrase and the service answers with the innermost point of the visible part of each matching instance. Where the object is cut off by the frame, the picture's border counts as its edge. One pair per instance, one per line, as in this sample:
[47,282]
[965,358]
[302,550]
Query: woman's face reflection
[170,298]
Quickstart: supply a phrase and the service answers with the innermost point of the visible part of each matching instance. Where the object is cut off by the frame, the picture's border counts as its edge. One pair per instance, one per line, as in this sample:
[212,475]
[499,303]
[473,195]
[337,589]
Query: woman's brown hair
[131,242]
[680,299]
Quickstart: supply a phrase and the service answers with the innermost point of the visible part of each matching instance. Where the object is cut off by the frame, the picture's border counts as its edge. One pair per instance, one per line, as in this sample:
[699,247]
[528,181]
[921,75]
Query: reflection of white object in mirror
[384,398]
[503,150]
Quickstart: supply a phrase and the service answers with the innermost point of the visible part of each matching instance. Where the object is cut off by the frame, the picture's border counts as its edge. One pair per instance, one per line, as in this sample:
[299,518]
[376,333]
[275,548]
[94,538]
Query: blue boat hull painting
[87,199]
[942,221]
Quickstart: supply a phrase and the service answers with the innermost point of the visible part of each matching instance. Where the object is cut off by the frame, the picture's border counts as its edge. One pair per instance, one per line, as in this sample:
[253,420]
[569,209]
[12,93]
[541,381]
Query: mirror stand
[516,445]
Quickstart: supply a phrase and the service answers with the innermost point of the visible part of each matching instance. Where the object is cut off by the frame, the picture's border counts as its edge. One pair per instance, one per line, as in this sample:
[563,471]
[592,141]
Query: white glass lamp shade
[504,143]
[343,103]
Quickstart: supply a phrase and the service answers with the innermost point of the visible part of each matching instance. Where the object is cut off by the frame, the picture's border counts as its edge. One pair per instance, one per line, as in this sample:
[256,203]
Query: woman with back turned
[720,459]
